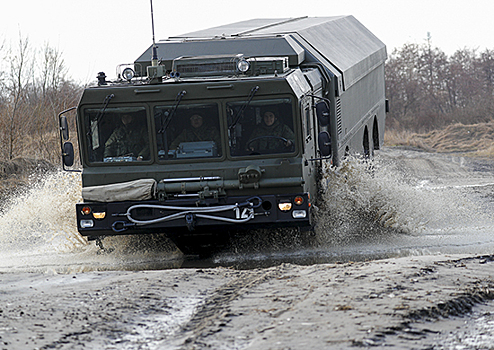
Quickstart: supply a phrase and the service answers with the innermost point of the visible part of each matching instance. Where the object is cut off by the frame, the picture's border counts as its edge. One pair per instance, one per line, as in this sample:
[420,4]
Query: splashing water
[42,218]
[372,208]
[38,232]
[364,199]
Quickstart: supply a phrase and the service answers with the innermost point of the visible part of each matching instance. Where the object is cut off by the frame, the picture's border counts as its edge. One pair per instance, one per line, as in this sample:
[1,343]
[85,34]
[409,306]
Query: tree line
[34,88]
[428,89]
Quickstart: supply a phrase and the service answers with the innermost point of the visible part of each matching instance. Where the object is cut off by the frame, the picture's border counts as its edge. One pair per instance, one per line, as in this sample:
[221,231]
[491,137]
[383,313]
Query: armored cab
[227,128]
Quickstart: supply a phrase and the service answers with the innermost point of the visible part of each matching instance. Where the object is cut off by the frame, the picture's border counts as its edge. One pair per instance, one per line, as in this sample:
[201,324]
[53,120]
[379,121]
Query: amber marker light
[285,206]
[86,210]
[299,200]
[100,215]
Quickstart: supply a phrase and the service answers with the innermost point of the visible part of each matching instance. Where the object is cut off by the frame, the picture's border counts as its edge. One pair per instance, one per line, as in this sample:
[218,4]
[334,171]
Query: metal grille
[339,127]
[211,67]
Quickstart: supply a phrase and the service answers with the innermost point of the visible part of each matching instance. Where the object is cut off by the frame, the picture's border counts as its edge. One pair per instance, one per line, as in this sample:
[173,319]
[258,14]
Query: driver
[269,135]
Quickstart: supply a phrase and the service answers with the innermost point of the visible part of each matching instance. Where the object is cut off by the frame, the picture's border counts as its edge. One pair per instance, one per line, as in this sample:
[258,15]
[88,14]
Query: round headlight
[128,74]
[243,66]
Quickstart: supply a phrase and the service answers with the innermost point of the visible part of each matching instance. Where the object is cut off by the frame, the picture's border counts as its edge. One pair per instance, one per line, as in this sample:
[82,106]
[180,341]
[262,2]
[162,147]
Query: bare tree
[18,79]
[35,88]
[428,90]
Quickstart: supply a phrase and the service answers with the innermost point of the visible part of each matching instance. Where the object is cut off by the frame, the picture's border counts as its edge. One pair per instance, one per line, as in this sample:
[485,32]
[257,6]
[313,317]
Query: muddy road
[402,257]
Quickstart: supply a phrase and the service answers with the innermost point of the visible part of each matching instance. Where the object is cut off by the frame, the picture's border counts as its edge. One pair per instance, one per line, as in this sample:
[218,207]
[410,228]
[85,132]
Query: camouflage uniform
[269,143]
[199,134]
[128,140]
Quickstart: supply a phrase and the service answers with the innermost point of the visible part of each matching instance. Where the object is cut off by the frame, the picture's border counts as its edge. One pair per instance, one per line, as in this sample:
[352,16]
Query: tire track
[215,311]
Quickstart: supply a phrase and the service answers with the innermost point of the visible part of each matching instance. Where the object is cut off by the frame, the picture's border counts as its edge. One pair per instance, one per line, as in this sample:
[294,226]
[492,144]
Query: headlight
[243,66]
[87,223]
[299,214]
[128,74]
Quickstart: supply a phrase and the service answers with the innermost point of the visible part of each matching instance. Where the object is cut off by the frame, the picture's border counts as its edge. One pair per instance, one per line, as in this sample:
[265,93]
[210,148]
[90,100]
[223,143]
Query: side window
[188,131]
[260,127]
[117,135]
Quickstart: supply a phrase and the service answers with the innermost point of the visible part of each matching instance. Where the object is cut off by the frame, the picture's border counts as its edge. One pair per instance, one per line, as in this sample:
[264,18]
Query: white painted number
[246,212]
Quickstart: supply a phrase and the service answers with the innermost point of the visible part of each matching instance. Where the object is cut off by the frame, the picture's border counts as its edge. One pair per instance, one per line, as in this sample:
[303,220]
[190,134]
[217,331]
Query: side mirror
[322,111]
[324,143]
[64,127]
[68,154]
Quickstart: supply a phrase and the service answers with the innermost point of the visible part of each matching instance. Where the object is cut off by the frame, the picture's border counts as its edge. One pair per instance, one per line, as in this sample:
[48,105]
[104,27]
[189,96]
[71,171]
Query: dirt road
[329,306]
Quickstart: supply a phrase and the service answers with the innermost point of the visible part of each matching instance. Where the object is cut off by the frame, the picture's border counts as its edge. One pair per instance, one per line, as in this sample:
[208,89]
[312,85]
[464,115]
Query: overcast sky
[97,35]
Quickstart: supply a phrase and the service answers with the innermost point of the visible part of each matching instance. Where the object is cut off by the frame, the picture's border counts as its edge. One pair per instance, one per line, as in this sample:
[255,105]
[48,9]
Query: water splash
[42,217]
[38,233]
[379,208]
[368,200]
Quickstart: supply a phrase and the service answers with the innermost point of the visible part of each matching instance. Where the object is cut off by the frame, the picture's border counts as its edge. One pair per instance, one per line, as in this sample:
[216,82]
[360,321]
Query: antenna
[155,72]
[154,58]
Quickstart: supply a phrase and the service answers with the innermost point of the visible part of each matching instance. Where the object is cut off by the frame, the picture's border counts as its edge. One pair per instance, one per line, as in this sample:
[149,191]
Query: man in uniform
[271,136]
[129,139]
[197,132]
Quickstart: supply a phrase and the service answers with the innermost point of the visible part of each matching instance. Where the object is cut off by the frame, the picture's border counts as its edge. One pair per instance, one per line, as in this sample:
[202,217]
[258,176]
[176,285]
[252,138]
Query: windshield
[117,134]
[260,127]
[187,131]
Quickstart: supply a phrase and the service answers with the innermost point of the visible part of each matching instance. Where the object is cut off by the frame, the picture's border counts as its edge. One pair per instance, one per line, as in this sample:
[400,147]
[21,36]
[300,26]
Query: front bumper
[189,214]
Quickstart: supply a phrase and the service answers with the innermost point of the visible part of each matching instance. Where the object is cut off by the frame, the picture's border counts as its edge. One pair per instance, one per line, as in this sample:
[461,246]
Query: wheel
[204,244]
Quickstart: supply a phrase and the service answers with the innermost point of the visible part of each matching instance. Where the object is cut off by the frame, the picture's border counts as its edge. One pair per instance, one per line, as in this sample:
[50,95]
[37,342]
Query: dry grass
[476,139]
[15,174]
[46,146]
[394,137]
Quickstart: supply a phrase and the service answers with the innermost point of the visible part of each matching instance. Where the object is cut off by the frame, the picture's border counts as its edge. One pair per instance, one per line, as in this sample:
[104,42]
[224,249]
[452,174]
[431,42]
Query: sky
[98,35]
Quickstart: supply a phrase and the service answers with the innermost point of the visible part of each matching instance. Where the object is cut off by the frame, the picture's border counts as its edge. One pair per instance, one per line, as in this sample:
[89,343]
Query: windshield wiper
[101,112]
[243,107]
[171,114]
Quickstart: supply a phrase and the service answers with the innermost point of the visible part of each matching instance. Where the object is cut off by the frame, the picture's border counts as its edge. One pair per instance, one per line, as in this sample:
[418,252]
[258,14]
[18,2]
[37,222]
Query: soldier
[197,133]
[270,134]
[129,139]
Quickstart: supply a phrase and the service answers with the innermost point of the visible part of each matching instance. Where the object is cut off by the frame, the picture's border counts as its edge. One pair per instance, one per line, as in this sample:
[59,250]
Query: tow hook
[124,226]
[190,220]
[102,249]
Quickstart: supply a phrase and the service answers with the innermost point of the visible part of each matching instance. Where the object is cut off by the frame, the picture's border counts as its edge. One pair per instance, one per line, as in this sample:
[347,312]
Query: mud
[392,302]
[58,292]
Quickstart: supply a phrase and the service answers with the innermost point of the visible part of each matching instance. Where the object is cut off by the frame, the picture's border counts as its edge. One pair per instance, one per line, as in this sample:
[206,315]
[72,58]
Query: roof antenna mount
[154,58]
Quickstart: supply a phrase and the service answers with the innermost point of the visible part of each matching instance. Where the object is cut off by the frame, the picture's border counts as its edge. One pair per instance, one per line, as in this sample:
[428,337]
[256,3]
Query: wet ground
[401,256]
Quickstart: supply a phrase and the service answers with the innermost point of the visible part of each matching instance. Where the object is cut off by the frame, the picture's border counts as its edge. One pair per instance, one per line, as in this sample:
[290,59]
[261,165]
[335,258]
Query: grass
[475,139]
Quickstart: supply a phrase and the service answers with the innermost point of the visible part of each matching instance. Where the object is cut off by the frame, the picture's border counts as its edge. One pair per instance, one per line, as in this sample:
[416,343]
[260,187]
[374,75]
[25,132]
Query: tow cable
[189,214]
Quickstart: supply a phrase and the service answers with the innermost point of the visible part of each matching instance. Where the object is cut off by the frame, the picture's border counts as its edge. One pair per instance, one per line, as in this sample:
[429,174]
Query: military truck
[226,129]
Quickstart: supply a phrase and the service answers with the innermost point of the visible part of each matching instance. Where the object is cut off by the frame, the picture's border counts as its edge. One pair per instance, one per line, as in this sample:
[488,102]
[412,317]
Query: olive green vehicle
[228,130]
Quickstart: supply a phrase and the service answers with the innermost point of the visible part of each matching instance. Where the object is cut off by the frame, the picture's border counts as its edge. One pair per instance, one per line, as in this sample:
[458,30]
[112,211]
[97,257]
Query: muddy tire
[204,245]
